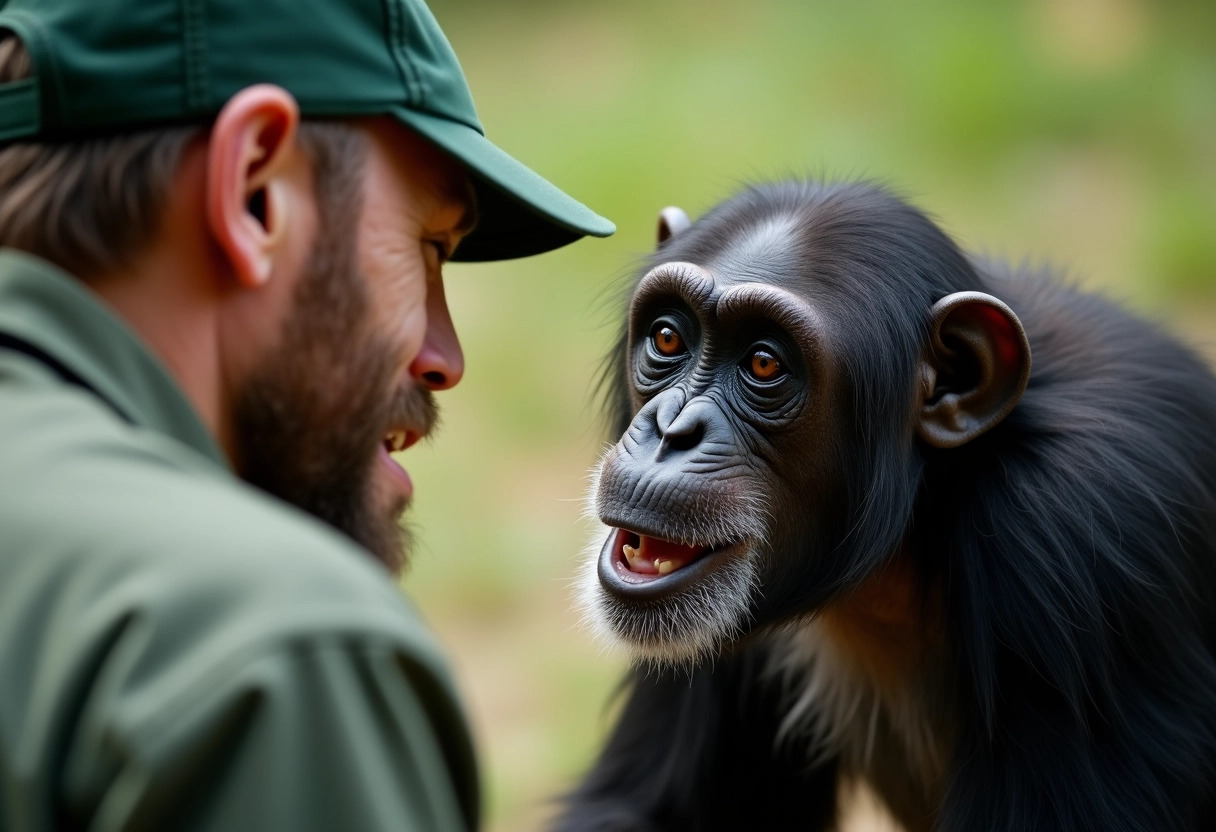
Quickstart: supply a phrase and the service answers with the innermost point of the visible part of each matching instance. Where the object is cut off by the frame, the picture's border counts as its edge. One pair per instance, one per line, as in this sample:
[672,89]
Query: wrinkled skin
[707,435]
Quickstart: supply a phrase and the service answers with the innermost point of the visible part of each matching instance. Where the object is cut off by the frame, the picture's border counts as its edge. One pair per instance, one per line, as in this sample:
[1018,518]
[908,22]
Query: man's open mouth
[395,440]
[399,439]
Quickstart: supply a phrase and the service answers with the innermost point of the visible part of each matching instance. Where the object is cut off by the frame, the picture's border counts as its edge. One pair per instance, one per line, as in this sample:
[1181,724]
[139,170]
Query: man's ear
[974,368]
[672,221]
[247,204]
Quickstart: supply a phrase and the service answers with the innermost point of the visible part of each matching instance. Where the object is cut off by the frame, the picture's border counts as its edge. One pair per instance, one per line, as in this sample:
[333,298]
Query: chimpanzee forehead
[767,251]
[725,298]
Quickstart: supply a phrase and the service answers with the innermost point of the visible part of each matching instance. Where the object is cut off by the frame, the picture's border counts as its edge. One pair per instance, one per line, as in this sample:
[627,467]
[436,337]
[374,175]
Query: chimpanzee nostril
[685,439]
[680,425]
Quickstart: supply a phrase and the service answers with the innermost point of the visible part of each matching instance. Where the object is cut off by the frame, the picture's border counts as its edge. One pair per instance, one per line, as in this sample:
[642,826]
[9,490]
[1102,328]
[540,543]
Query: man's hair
[90,204]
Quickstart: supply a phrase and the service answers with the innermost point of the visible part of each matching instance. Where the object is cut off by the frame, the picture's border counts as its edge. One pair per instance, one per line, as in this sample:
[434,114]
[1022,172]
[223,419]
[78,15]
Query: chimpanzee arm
[698,752]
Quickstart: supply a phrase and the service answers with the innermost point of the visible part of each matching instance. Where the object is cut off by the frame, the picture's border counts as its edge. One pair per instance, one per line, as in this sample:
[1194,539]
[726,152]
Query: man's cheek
[410,328]
[398,309]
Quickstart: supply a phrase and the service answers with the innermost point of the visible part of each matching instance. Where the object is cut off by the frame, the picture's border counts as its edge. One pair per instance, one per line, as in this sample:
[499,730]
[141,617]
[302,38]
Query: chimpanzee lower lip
[617,578]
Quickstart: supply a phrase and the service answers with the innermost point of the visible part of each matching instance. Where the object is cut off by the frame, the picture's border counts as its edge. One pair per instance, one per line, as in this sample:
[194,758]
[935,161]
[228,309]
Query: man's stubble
[311,417]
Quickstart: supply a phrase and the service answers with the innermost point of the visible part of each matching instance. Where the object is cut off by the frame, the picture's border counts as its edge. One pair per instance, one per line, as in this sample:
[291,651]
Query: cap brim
[520,213]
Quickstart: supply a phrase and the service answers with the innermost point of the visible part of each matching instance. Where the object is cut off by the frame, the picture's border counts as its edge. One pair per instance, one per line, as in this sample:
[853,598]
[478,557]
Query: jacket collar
[59,319]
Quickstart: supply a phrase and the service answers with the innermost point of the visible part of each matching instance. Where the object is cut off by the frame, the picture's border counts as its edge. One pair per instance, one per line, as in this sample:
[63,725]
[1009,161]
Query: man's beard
[310,419]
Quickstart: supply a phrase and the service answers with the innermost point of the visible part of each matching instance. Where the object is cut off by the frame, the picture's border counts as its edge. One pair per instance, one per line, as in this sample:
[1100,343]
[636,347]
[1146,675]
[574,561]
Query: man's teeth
[394,440]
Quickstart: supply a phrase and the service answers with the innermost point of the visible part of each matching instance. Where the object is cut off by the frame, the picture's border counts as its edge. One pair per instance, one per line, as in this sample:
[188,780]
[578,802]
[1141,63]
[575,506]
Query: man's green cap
[117,65]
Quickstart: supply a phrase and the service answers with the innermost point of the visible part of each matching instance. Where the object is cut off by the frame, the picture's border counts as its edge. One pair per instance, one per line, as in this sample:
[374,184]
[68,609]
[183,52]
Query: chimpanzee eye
[765,366]
[667,341]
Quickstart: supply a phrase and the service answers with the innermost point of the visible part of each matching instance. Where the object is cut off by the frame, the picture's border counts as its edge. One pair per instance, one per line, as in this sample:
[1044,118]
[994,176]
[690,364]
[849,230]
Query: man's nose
[439,365]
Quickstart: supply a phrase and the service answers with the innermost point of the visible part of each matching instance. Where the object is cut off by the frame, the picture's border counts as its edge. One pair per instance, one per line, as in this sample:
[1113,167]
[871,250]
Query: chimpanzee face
[734,392]
[736,497]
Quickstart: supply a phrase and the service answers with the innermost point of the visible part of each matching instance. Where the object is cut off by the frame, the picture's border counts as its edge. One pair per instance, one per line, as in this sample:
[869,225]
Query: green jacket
[177,649]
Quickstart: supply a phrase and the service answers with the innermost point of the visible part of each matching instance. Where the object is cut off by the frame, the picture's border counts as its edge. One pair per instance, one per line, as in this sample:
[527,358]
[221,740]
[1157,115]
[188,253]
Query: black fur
[1074,544]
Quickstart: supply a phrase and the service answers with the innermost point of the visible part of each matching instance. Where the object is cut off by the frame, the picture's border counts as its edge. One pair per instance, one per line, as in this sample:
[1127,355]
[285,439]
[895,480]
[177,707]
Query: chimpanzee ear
[672,221]
[974,369]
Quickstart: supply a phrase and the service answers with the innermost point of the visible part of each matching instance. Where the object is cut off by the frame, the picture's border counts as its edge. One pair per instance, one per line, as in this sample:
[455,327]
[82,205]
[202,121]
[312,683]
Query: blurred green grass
[1077,133]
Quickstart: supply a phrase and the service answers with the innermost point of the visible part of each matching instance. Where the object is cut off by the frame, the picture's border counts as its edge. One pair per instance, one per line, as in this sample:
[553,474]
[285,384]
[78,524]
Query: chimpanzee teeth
[631,554]
[664,566]
[395,440]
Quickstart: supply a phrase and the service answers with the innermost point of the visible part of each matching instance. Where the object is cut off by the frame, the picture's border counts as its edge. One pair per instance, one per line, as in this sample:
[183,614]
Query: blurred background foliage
[1073,132]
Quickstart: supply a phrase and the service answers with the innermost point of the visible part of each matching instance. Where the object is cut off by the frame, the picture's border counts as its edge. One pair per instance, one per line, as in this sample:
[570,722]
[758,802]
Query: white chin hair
[687,629]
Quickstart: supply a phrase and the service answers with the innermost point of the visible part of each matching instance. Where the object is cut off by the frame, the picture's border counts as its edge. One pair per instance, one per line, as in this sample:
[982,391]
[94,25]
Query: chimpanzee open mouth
[638,565]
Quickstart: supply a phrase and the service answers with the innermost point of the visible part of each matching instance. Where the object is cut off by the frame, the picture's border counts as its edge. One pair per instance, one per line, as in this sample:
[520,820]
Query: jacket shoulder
[106,512]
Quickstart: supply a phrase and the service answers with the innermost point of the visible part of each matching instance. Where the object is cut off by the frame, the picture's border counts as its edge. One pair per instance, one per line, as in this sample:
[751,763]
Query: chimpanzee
[852,533]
